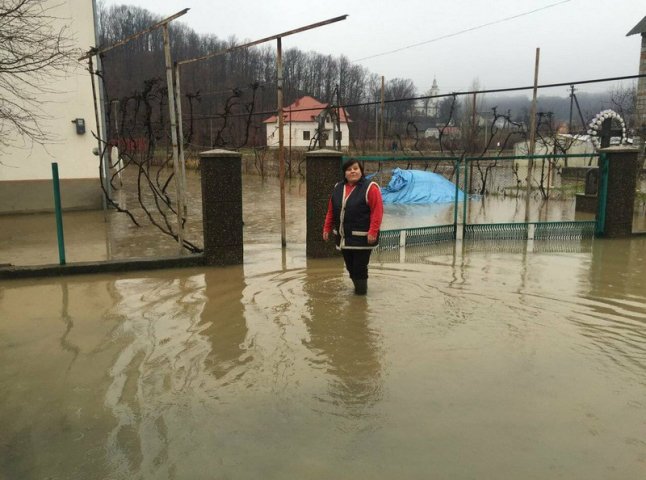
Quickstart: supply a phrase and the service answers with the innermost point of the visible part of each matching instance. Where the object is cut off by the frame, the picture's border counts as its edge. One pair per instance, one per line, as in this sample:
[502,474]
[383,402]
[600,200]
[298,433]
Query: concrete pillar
[222,207]
[323,172]
[622,182]
[640,107]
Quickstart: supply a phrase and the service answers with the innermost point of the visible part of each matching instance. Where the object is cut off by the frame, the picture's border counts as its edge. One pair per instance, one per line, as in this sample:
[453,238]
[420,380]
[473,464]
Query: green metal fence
[507,198]
[542,187]
[444,227]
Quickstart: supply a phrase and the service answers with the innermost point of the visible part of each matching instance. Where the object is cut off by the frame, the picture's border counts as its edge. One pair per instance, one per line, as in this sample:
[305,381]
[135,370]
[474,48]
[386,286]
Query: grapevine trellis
[230,115]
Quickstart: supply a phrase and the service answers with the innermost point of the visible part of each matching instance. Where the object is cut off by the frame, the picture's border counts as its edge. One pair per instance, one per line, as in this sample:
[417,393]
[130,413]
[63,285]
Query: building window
[306,134]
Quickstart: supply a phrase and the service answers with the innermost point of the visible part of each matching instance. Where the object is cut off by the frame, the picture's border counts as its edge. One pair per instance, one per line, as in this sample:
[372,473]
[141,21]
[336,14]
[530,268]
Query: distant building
[574,144]
[449,131]
[67,116]
[302,121]
[428,107]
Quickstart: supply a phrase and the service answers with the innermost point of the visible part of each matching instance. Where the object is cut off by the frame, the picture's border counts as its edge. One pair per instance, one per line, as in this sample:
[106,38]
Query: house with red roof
[301,122]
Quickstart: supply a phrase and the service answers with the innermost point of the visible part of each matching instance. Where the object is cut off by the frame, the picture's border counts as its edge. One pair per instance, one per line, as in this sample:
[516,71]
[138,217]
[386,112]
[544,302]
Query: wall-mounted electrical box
[80,125]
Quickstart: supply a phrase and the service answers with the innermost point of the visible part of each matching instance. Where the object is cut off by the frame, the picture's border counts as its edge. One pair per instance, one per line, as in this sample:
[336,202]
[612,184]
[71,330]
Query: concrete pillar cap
[325,153]
[619,149]
[220,152]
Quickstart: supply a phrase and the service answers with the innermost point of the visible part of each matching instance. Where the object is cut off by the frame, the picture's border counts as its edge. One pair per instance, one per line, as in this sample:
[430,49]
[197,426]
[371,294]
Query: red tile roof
[305,109]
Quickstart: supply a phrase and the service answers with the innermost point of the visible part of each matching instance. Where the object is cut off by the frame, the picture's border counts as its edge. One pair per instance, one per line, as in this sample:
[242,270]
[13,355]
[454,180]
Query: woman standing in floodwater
[354,215]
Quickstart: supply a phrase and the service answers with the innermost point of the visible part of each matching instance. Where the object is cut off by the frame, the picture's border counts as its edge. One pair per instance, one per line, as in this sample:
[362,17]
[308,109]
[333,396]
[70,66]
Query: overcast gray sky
[456,40]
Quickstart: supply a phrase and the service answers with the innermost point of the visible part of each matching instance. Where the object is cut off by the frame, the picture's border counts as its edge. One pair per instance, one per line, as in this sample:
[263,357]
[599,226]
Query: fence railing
[517,197]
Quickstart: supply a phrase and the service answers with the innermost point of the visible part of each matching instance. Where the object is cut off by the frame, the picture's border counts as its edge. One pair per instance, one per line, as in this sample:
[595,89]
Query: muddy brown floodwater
[477,360]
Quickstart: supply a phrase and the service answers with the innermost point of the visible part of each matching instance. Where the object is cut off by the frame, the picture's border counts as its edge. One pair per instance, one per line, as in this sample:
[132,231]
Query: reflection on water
[468,360]
[223,322]
[342,342]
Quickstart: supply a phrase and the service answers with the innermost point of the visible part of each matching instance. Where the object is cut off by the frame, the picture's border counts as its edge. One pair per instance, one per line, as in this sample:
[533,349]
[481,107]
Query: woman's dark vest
[352,217]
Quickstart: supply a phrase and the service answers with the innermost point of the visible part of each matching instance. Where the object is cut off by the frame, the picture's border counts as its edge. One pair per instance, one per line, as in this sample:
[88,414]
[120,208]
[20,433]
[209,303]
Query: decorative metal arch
[595,126]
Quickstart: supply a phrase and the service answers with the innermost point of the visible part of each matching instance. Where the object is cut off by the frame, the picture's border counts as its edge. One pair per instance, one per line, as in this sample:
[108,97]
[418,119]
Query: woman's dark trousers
[356,262]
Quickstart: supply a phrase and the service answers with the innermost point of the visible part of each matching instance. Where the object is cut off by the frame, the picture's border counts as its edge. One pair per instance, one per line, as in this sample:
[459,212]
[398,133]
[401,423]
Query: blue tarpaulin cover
[418,186]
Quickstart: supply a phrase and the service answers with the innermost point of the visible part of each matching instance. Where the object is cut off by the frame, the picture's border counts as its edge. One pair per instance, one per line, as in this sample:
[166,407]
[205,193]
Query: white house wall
[25,171]
[293,131]
[576,147]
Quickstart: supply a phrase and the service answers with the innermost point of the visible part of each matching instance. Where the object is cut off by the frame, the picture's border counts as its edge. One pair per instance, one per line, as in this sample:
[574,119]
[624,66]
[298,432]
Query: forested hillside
[226,98]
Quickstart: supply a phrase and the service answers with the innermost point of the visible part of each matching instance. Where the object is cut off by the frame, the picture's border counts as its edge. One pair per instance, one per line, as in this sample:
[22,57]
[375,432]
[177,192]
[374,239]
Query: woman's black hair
[349,162]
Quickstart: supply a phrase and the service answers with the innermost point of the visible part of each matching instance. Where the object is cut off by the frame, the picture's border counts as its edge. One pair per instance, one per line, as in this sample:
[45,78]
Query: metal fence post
[457,198]
[466,196]
[59,215]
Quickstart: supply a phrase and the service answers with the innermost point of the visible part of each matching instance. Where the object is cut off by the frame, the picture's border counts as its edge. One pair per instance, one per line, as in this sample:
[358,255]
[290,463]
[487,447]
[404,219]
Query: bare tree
[34,49]
[472,122]
[623,100]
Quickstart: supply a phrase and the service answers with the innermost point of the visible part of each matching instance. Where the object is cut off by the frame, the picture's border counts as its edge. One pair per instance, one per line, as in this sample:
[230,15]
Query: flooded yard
[476,360]
[95,236]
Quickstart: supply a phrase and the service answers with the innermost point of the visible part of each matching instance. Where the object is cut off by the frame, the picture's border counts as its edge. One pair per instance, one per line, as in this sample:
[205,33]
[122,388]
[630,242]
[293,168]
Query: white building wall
[31,163]
[294,130]
[576,147]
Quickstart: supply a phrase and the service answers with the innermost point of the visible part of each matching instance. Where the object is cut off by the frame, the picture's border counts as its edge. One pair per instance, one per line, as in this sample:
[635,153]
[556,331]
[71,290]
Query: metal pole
[162,23]
[466,195]
[376,127]
[532,135]
[180,131]
[99,111]
[381,120]
[263,40]
[281,134]
[474,128]
[104,171]
[457,199]
[59,215]
[173,133]
[338,118]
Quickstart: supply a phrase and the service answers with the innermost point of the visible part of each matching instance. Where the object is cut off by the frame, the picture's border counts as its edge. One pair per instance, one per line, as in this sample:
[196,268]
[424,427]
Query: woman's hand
[326,236]
[372,239]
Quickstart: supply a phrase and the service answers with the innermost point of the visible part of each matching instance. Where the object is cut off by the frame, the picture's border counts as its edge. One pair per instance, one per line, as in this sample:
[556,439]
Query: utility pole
[571,104]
